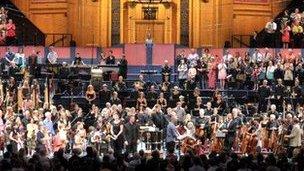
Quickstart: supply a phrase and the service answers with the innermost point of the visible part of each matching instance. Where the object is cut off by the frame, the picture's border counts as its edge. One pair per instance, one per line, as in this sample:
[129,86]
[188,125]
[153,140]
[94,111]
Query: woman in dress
[90,94]
[182,73]
[32,129]
[212,74]
[162,101]
[285,35]
[116,131]
[222,74]
[141,100]
[255,77]
[270,72]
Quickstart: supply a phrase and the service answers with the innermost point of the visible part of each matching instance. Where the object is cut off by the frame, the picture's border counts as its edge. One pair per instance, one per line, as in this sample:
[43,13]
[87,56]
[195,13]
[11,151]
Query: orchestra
[171,119]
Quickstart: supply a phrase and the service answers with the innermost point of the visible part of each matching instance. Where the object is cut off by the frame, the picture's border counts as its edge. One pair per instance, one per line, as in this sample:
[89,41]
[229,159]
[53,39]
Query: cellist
[202,126]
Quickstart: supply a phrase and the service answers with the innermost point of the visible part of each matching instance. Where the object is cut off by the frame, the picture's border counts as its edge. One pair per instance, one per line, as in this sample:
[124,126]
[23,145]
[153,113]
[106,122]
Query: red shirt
[10,30]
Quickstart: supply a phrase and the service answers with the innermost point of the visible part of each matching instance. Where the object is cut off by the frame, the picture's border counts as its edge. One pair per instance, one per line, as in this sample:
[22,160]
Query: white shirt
[192,58]
[227,57]
[256,57]
[271,27]
[52,57]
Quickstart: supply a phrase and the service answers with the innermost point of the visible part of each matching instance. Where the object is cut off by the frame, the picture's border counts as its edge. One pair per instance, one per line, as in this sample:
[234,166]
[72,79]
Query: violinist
[202,125]
[198,106]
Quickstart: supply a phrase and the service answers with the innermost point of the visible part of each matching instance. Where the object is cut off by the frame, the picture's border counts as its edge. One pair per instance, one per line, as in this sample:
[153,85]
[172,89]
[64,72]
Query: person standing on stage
[160,121]
[52,56]
[166,71]
[123,66]
[264,93]
[131,135]
[230,131]
[294,137]
[116,132]
[171,134]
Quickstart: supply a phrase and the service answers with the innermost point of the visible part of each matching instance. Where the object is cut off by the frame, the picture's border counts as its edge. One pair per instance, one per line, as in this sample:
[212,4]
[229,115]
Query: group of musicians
[29,121]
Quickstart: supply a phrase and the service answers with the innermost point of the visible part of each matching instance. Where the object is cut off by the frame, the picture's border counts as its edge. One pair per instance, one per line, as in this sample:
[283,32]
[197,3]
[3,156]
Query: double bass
[217,137]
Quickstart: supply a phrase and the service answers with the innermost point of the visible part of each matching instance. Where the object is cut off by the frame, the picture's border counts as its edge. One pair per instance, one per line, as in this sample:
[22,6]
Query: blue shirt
[49,125]
[171,132]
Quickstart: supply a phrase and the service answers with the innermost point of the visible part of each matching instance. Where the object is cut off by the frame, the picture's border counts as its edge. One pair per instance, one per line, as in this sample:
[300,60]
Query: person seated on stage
[9,56]
[143,116]
[166,71]
[90,94]
[110,60]
[141,100]
[175,94]
[289,110]
[120,85]
[152,94]
[52,56]
[114,99]
[162,101]
[78,60]
[273,111]
[198,106]
[140,84]
[19,59]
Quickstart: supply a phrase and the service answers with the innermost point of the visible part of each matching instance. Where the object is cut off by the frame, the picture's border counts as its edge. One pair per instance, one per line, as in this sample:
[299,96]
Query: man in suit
[161,122]
[230,131]
[171,134]
[131,135]
[104,95]
[264,93]
[294,137]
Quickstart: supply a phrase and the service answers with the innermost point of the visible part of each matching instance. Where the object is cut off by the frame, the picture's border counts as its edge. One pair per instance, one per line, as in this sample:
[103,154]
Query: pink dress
[212,76]
[222,74]
[286,35]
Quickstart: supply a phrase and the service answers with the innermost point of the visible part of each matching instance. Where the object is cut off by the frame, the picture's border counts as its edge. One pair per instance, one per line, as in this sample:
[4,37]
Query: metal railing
[58,39]
[240,41]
